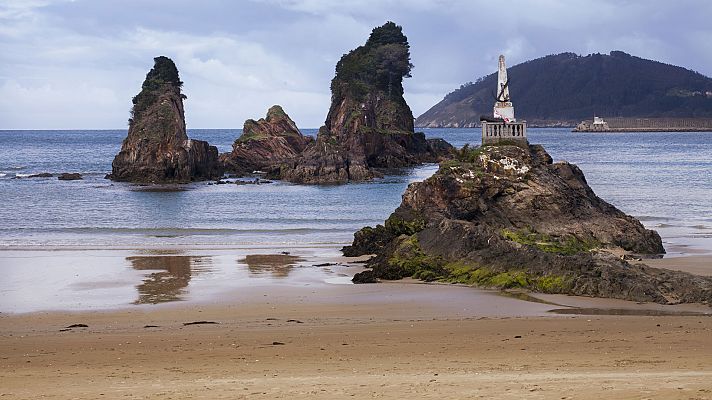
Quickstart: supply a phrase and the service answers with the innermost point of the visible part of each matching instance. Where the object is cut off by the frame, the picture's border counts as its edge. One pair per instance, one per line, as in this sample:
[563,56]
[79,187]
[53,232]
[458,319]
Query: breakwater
[623,124]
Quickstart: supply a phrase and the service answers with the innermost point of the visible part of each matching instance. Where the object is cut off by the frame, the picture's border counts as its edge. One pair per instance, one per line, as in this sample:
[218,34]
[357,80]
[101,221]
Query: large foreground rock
[157,148]
[369,125]
[506,216]
[266,144]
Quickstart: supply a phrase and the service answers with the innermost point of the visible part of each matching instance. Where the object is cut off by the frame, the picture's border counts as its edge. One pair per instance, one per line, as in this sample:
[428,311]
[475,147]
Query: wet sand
[286,332]
[694,264]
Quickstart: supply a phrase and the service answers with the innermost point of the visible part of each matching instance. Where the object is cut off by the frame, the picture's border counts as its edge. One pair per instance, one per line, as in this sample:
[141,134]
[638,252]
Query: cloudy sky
[77,64]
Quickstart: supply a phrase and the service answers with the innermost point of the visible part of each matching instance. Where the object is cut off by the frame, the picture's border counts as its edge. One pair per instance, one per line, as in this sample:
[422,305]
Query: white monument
[503,107]
[503,128]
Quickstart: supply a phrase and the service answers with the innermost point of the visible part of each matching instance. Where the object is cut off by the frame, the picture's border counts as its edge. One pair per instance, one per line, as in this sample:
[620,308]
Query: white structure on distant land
[503,127]
[598,125]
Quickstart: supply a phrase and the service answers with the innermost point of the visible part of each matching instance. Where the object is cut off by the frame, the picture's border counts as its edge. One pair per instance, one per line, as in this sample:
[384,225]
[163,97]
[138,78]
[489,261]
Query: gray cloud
[76,64]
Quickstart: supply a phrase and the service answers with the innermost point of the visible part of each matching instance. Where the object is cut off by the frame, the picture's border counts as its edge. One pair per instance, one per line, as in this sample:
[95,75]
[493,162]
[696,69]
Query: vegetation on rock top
[257,130]
[381,63]
[164,72]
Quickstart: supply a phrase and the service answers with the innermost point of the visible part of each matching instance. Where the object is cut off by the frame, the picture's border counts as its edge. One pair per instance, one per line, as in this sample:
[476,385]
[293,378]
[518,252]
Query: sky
[76,64]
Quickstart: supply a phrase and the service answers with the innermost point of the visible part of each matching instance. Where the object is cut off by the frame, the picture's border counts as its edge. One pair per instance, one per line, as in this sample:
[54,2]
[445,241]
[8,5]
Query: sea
[93,244]
[662,178]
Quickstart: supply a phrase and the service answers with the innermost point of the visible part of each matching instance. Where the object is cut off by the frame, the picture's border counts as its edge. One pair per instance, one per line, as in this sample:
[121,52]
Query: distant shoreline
[621,130]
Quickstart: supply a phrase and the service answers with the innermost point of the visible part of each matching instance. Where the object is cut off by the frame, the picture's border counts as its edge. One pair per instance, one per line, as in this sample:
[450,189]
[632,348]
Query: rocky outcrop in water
[68,176]
[157,148]
[266,144]
[508,217]
[369,125]
[41,175]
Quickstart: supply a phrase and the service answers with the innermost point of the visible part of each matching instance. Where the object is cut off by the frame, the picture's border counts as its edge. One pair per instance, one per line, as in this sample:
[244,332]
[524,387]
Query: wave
[652,218]
[165,232]
[22,175]
[667,226]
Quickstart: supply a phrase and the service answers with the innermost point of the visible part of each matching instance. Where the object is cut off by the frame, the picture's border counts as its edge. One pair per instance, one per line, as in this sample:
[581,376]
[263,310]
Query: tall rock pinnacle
[369,124]
[157,148]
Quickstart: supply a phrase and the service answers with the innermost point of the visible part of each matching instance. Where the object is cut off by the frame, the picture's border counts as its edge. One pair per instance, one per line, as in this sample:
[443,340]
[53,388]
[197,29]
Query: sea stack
[369,124]
[506,216]
[266,144]
[157,148]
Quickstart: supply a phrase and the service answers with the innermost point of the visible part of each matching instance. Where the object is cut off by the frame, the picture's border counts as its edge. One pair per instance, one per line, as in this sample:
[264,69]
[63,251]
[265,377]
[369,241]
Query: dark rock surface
[265,144]
[369,125]
[41,175]
[368,276]
[507,217]
[157,148]
[70,176]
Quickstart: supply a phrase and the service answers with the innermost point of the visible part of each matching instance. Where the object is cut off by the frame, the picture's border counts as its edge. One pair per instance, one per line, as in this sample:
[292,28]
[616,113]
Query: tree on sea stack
[157,148]
[371,77]
[369,124]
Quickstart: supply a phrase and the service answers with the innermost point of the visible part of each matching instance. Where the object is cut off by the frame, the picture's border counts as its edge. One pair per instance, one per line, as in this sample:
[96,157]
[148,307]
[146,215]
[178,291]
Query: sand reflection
[170,281]
[278,265]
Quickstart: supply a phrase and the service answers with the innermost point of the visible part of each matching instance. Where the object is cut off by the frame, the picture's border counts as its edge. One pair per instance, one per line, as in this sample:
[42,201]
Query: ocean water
[665,179]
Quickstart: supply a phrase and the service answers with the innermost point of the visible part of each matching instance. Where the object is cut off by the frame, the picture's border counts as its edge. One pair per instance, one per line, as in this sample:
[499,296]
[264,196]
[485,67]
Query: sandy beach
[308,338]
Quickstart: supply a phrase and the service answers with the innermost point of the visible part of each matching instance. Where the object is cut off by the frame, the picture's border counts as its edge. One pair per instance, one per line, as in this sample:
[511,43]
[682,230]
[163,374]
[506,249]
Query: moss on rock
[409,260]
[566,245]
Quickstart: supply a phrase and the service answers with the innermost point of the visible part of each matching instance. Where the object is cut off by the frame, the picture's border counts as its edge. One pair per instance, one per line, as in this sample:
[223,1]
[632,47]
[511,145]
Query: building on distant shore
[503,126]
[598,125]
[622,124]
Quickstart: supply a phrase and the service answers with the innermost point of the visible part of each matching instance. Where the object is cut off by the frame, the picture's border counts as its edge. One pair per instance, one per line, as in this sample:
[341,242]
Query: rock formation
[266,144]
[68,176]
[506,216]
[157,148]
[369,125]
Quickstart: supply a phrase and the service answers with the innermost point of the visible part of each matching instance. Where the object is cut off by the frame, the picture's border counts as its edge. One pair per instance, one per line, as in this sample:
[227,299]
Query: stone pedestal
[501,132]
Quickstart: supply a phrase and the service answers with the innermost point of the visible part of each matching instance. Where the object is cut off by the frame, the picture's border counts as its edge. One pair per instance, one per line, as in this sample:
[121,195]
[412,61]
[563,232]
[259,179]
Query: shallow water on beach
[661,178]
[35,280]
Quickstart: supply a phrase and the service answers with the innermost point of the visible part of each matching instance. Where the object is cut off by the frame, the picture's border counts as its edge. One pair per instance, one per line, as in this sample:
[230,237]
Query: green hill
[567,88]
